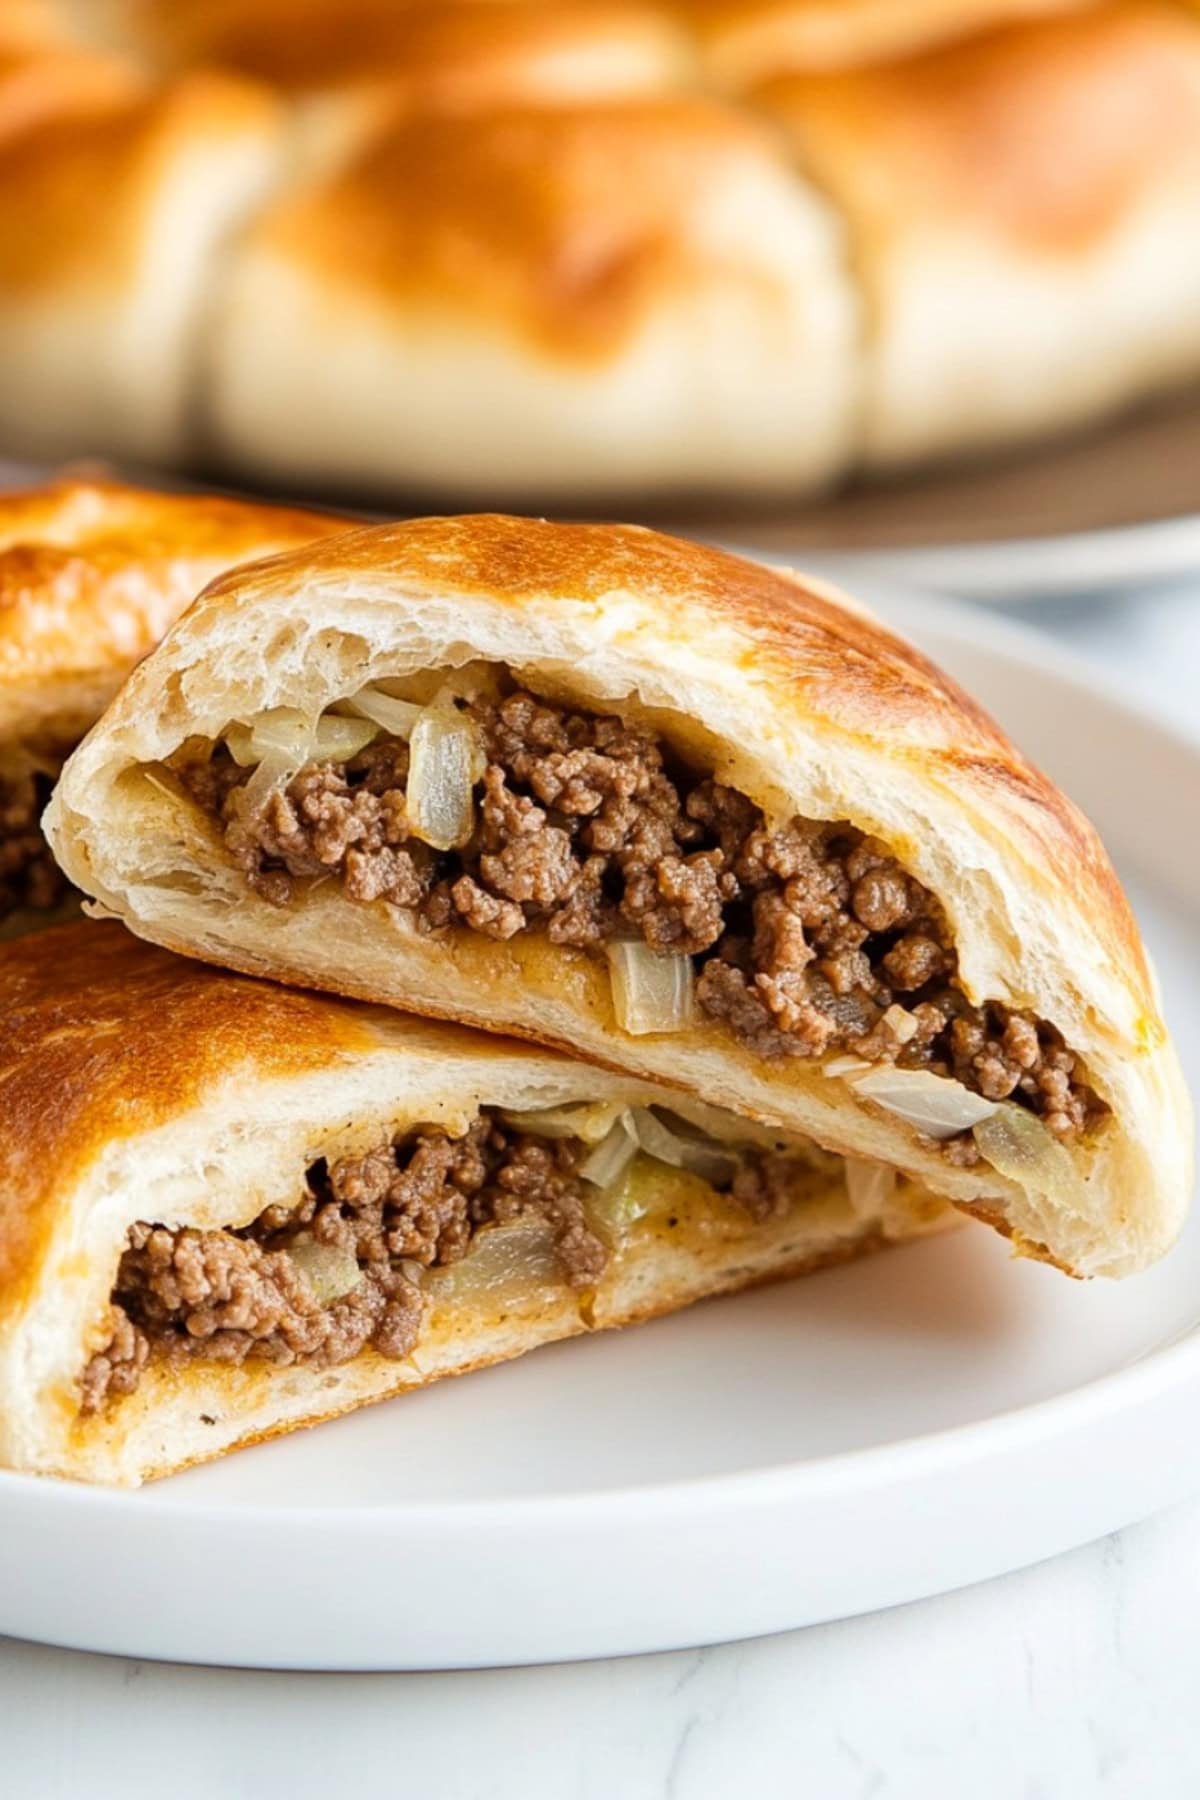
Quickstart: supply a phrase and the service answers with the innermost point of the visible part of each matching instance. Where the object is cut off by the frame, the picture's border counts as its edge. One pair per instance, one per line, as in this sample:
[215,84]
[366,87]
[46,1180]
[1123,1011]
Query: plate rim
[1021,571]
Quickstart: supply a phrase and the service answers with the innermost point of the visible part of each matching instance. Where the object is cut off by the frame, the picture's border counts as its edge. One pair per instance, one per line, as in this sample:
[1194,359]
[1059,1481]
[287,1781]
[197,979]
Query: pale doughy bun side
[542,303]
[101,304]
[808,707]
[1023,211]
[140,1087]
[93,572]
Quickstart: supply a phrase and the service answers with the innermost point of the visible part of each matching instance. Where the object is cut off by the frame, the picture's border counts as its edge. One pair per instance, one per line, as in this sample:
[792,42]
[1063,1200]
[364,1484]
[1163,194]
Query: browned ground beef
[805,935]
[410,1204]
[29,875]
[413,1203]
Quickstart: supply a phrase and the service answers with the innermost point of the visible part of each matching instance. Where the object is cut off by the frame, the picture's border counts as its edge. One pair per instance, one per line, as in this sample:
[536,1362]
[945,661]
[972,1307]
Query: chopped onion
[699,1155]
[504,1263]
[237,741]
[272,773]
[652,990]
[611,1157]
[847,1066]
[337,740]
[446,763]
[396,717]
[1020,1146]
[935,1104]
[587,1122]
[330,1273]
[282,730]
[901,1023]
[870,1187]
[283,734]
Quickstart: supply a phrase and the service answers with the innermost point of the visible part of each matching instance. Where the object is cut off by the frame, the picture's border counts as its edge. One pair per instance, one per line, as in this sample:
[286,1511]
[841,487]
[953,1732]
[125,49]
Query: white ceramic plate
[1025,569]
[870,1435]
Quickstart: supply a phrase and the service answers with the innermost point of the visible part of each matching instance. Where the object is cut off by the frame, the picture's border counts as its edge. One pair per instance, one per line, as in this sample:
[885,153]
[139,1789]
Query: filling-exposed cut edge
[487,808]
[511,1205]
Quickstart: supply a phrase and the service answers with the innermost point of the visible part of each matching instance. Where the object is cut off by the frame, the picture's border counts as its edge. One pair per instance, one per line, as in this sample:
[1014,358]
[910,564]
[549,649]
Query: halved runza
[228,1209]
[91,575]
[685,815]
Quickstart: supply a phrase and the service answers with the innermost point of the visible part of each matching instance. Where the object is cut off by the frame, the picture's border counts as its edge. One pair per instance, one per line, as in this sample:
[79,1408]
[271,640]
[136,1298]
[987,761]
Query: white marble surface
[1073,1679]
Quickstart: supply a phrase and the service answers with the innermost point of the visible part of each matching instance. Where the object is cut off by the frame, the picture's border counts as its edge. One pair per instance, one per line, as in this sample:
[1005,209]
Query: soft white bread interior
[112,218]
[806,706]
[542,302]
[136,1086]
[1024,214]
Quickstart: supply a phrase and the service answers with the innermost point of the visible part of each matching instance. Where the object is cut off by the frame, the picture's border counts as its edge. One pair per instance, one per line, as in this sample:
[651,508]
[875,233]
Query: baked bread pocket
[92,573]
[682,814]
[229,1209]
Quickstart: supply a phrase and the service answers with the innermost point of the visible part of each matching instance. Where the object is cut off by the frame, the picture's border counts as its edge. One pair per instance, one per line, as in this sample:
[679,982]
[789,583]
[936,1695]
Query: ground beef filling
[809,938]
[412,1204]
[30,879]
[409,1205]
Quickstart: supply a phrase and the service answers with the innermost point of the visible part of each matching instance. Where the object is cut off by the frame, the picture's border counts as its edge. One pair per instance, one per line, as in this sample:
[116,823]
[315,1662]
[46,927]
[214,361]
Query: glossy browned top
[755,39]
[818,661]
[1045,133]
[451,52]
[438,45]
[37,86]
[34,25]
[565,223]
[121,148]
[105,1038]
[92,573]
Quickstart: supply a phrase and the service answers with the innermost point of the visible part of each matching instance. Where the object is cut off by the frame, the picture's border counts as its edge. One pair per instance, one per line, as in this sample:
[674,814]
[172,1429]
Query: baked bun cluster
[528,252]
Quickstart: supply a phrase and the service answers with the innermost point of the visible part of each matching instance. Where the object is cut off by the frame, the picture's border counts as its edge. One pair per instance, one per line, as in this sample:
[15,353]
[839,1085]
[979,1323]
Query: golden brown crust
[93,572]
[1044,133]
[37,87]
[51,230]
[745,41]
[31,25]
[565,226]
[78,1069]
[463,51]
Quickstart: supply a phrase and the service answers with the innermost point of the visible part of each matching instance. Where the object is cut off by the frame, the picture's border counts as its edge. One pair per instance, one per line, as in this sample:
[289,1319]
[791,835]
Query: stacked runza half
[807,959]
[513,250]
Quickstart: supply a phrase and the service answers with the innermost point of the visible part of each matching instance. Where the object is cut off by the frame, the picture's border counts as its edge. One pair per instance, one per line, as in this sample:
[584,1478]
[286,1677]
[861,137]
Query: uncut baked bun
[92,572]
[112,215]
[887,885]
[138,1088]
[1024,212]
[535,301]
